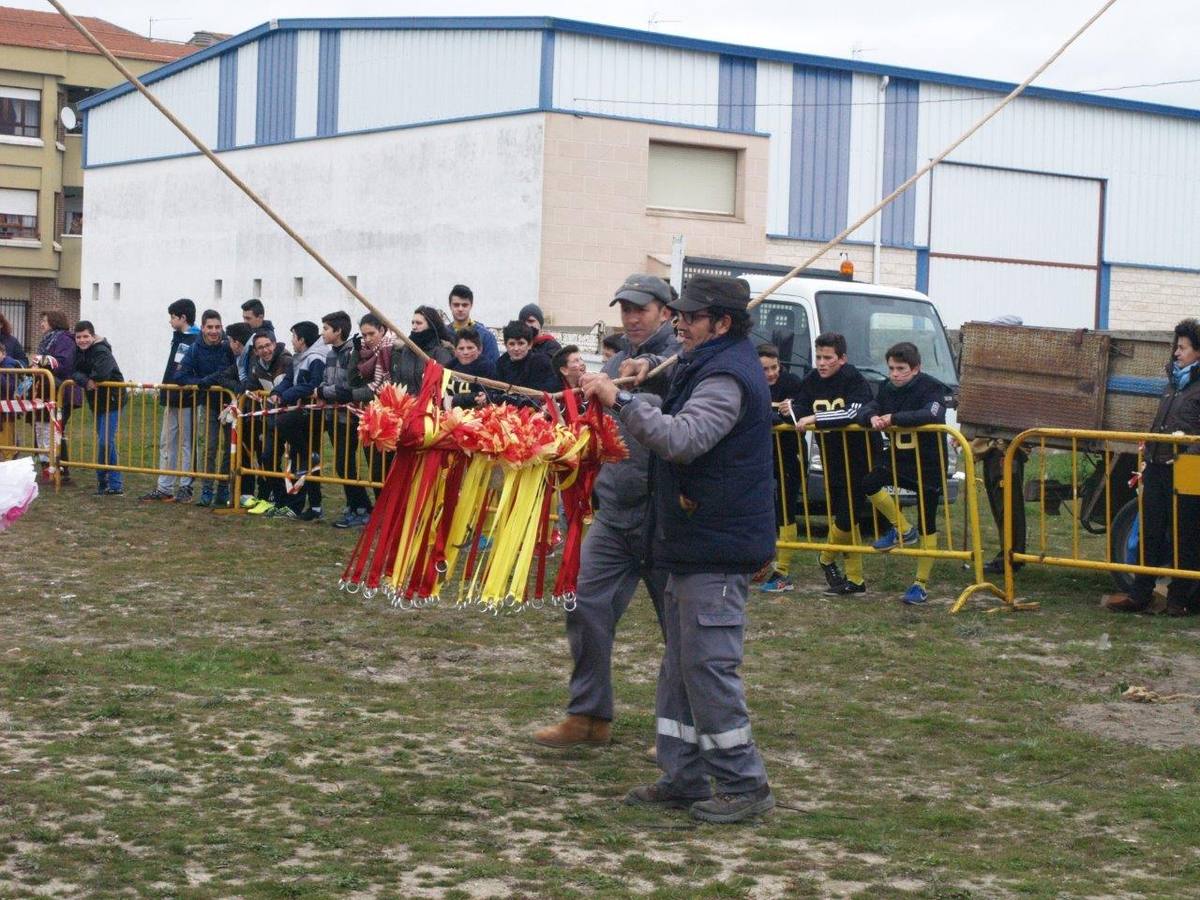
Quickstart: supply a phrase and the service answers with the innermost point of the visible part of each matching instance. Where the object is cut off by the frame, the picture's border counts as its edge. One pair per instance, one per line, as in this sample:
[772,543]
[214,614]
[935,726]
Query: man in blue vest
[714,526]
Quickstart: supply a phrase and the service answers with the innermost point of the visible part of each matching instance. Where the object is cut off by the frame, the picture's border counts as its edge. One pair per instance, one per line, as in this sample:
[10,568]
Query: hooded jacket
[180,342]
[98,364]
[546,344]
[335,381]
[622,489]
[267,377]
[304,375]
[245,362]
[204,363]
[920,402]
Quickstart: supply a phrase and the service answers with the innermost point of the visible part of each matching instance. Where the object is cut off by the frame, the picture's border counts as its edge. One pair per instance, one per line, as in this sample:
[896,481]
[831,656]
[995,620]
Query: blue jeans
[106,450]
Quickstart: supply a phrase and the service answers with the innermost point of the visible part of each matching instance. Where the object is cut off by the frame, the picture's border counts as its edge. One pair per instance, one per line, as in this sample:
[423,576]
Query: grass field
[189,708]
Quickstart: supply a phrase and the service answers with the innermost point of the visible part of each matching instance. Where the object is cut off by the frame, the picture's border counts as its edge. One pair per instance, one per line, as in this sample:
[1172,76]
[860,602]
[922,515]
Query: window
[693,179]
[218,288]
[95,292]
[297,287]
[786,326]
[72,211]
[20,112]
[18,214]
[116,290]
[256,288]
[873,323]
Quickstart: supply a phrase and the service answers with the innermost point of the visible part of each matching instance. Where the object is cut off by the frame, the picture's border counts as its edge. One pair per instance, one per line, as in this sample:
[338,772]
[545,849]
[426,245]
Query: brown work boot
[573,731]
[1126,604]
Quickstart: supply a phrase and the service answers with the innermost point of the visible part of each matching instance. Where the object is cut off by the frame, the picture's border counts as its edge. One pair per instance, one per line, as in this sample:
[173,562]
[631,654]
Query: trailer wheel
[1124,539]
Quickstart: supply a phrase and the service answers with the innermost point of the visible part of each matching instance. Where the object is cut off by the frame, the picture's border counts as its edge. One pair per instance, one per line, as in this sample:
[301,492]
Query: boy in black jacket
[908,399]
[789,458]
[521,367]
[833,396]
[95,363]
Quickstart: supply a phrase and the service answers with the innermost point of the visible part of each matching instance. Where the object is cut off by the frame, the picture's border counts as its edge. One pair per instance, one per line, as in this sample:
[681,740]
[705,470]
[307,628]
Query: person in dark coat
[10,346]
[469,360]
[429,333]
[178,416]
[1178,413]
[790,460]
[519,366]
[12,356]
[205,365]
[56,352]
[542,342]
[95,365]
[908,399]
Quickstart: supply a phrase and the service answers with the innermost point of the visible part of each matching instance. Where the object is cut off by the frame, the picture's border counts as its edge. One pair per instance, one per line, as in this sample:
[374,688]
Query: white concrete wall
[408,212]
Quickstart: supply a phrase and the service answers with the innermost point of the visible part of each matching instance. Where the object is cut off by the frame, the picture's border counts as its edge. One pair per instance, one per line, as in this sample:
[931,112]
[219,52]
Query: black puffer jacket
[1178,410]
[98,364]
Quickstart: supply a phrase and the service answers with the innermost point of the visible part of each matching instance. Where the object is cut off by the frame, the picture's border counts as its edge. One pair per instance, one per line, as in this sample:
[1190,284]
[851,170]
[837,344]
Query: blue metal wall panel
[736,92]
[227,102]
[922,283]
[820,182]
[901,108]
[327,82]
[546,84]
[1105,295]
[276,118]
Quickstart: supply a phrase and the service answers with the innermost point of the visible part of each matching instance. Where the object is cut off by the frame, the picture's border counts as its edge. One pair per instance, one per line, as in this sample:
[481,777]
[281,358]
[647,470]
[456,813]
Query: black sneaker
[833,576]
[312,514]
[653,795]
[727,808]
[847,587]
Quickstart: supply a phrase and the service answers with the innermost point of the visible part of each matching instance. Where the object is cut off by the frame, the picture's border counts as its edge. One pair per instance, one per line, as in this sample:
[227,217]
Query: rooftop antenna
[857,49]
[655,20]
[150,28]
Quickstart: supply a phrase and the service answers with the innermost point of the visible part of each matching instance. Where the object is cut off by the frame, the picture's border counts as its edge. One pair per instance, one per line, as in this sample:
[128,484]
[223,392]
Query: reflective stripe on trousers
[726,740]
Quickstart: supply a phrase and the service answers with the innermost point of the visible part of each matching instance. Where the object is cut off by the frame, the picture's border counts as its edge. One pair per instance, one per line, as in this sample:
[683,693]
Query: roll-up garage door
[1005,242]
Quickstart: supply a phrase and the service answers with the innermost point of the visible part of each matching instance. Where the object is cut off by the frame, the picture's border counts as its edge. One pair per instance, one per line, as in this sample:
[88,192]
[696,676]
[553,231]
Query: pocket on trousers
[720,606]
[721,619]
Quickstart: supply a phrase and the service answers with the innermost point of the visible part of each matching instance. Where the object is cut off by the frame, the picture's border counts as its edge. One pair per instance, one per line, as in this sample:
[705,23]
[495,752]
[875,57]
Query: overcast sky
[1137,41]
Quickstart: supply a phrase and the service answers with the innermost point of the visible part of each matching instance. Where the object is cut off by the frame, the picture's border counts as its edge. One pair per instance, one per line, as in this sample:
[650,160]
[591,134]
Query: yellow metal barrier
[856,463]
[176,432]
[1114,452]
[29,416]
[287,449]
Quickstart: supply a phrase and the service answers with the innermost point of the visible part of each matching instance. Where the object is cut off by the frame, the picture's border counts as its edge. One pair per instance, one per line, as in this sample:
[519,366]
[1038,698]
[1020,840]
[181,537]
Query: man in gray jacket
[614,553]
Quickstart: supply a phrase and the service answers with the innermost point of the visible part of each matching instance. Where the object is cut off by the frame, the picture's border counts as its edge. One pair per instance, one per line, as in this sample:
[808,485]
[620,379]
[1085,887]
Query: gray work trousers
[703,723]
[610,564]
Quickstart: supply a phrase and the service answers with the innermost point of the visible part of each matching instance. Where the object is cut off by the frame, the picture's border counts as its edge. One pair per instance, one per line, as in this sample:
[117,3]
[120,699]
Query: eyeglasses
[690,318]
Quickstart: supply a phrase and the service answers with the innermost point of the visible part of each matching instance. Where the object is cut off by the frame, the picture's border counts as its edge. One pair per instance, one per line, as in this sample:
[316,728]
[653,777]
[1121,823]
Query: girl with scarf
[1166,516]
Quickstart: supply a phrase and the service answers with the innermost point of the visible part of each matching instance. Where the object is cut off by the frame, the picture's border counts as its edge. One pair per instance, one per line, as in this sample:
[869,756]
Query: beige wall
[1151,298]
[596,228]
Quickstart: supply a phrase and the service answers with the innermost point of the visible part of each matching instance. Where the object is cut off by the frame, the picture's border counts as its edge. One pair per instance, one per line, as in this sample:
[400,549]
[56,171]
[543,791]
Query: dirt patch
[1159,726]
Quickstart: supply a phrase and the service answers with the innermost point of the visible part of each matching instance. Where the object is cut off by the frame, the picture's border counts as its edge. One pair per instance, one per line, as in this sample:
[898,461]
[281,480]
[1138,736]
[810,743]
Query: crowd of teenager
[296,385]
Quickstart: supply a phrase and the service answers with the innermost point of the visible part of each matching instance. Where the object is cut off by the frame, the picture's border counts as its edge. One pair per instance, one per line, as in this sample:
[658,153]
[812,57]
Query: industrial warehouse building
[543,159]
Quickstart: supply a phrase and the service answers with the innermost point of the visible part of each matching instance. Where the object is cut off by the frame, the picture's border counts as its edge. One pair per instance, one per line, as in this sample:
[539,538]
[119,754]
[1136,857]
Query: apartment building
[46,69]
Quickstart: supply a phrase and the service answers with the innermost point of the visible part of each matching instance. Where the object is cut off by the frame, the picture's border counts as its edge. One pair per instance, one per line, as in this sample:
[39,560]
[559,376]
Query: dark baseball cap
[640,289]
[703,291]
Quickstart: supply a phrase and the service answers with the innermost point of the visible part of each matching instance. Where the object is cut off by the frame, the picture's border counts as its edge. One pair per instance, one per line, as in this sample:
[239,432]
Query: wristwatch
[623,397]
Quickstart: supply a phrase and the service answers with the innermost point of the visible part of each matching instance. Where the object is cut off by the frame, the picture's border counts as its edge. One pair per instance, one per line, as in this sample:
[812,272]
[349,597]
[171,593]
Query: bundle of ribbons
[469,497]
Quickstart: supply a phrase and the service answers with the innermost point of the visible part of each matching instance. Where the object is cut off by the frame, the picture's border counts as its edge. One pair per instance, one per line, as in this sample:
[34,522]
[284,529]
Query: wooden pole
[263,205]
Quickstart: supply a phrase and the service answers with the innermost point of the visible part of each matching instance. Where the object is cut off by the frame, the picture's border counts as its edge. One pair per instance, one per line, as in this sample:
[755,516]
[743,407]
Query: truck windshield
[871,324]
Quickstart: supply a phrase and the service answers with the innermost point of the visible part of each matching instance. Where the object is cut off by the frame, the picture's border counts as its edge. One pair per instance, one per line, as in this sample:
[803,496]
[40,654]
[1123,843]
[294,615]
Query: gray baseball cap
[640,289]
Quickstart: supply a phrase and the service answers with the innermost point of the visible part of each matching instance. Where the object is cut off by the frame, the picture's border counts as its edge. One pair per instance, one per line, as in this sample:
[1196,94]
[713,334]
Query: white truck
[871,317]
